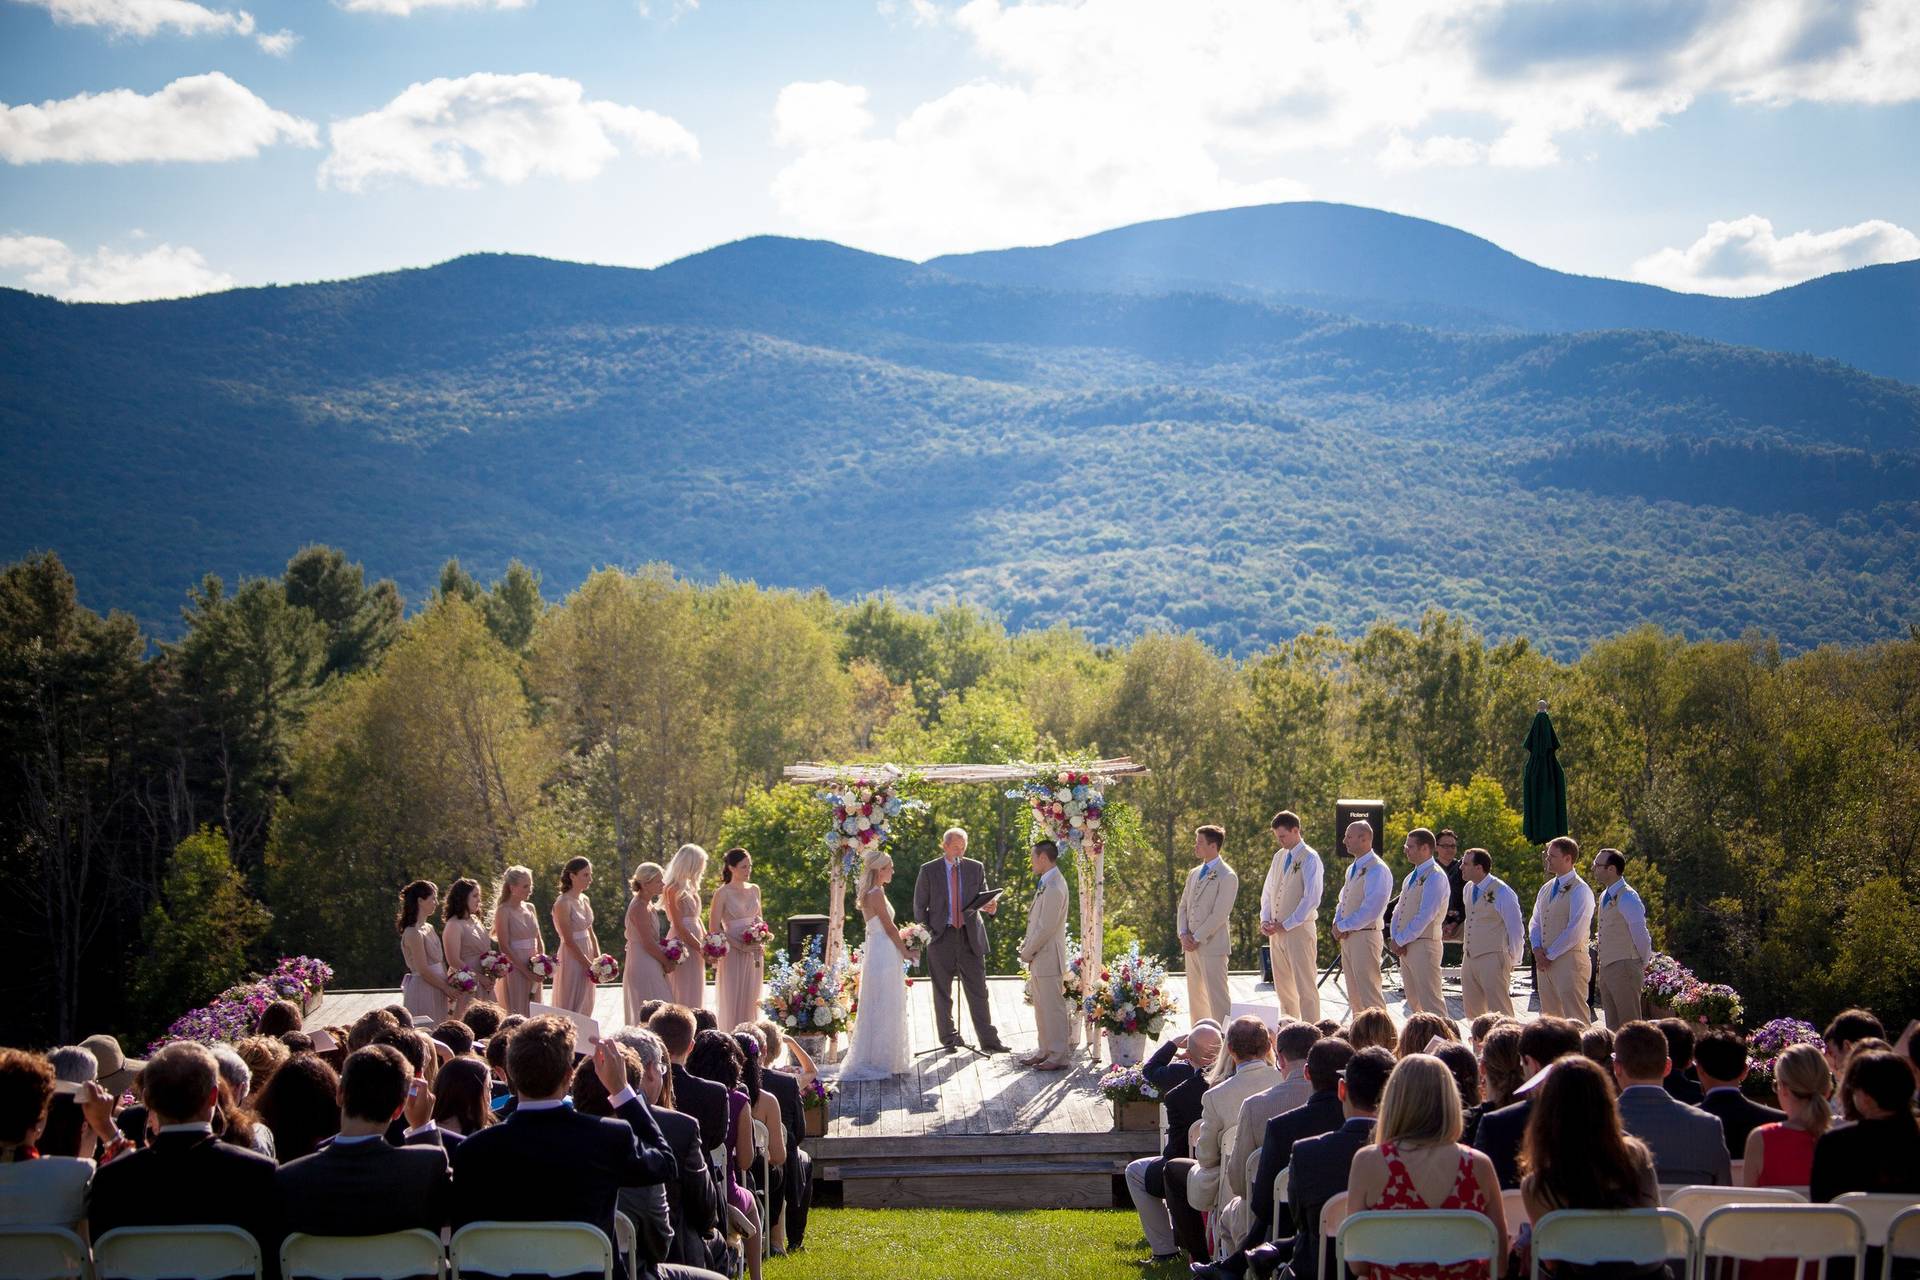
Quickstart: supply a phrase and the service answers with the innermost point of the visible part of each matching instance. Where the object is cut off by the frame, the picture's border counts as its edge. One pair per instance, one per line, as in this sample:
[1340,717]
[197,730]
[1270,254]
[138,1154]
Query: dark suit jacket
[1739,1116]
[691,1203]
[367,1189]
[184,1179]
[931,908]
[1868,1155]
[705,1101]
[1320,1167]
[1689,1147]
[1167,1075]
[1499,1135]
[1683,1087]
[1320,1114]
[786,1090]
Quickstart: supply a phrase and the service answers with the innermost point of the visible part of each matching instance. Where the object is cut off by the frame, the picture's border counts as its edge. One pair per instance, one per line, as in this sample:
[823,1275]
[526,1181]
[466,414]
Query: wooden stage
[965,1129]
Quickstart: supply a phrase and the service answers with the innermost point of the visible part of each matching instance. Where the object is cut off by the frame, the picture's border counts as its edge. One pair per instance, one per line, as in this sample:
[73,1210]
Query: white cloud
[46,265]
[511,127]
[820,113]
[143,18]
[407,8]
[1095,112]
[200,118]
[1745,257]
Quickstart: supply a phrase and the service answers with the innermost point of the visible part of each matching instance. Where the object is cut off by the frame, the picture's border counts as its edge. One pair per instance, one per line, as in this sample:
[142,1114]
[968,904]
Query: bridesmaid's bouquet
[714,947]
[757,934]
[605,968]
[464,980]
[544,966]
[495,966]
[916,938]
[675,950]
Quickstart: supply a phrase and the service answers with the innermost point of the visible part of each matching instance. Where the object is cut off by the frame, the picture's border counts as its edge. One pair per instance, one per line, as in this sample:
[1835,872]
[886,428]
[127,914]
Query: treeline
[175,812]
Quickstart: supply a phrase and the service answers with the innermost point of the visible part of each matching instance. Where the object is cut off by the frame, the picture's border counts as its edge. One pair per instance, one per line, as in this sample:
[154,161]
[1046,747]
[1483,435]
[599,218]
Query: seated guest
[549,1163]
[1542,1042]
[1848,1028]
[1178,1070]
[647,1206]
[704,1020]
[1421,1031]
[417,1049]
[1596,1045]
[1679,1081]
[1500,1071]
[1577,1155]
[789,1215]
[647,1008]
[1417,1161]
[1466,1080]
[462,1098]
[1720,1060]
[1781,1154]
[1320,1166]
[186,1176]
[692,1206]
[37,1190]
[233,1120]
[279,1018]
[764,1107]
[1879,1151]
[456,1035]
[1373,1027]
[301,1105]
[1330,1027]
[66,1131]
[1478,1029]
[482,1018]
[497,1073]
[1689,1146]
[360,1184]
[704,1100]
[1291,1044]
[293,1042]
[262,1056]
[717,1058]
[372,1023]
[1244,1069]
[1320,1113]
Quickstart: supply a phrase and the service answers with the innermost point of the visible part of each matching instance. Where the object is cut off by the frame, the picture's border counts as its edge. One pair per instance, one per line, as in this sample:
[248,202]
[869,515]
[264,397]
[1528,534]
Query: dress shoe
[1049,1064]
[1207,1271]
[995,1047]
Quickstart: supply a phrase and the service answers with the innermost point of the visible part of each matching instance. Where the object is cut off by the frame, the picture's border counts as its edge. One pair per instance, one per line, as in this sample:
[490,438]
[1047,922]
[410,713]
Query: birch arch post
[1066,799]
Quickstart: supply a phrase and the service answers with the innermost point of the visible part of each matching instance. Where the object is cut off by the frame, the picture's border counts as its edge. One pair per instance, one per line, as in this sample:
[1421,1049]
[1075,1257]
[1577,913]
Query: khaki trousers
[1049,1016]
[1486,985]
[1420,977]
[1620,983]
[1207,989]
[1563,986]
[1296,971]
[1360,964]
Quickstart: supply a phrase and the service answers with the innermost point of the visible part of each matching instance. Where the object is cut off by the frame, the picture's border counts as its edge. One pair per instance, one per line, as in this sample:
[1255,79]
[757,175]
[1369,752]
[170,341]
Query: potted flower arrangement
[1136,1103]
[604,969]
[307,976]
[235,1013]
[1666,980]
[1131,1003]
[1712,1004]
[812,1001]
[815,1095]
[544,966]
[1764,1048]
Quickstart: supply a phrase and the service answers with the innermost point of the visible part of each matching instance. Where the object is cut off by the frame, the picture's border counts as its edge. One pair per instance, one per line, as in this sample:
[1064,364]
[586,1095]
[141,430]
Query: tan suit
[1361,918]
[1206,913]
[1425,889]
[1045,952]
[1207,1187]
[1488,951]
[1563,978]
[1292,892]
[1625,950]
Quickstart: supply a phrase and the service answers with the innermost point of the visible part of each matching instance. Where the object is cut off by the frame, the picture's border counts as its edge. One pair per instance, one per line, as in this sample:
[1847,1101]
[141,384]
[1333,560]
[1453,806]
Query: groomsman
[1358,917]
[1289,915]
[1626,948]
[1044,952]
[1561,923]
[1492,935]
[1417,921]
[1206,911]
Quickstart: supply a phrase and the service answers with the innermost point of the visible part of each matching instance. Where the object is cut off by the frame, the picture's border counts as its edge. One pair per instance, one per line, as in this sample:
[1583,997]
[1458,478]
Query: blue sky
[153,147]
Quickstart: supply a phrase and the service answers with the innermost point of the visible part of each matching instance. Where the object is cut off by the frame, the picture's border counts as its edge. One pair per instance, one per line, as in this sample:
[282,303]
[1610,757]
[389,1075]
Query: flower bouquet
[464,980]
[806,996]
[714,947]
[544,966]
[815,1094]
[1134,1100]
[757,934]
[916,938]
[675,951]
[604,968]
[495,965]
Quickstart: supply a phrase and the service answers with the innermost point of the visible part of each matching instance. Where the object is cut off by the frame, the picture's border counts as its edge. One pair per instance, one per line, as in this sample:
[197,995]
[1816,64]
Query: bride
[879,1047]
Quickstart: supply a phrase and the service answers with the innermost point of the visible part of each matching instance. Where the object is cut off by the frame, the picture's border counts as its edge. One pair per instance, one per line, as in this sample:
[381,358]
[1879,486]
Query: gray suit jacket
[1688,1145]
[930,905]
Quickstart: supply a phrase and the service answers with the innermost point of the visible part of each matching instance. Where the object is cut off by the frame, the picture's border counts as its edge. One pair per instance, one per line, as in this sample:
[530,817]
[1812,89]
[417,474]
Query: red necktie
[953,891]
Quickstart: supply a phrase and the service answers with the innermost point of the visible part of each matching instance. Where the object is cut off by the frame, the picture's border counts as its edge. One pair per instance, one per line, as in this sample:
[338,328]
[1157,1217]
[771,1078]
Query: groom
[959,946]
[1045,954]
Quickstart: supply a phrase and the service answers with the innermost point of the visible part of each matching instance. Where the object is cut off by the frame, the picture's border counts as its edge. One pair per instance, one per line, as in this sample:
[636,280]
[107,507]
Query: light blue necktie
[1288,864]
[1353,871]
[1476,895]
[1554,892]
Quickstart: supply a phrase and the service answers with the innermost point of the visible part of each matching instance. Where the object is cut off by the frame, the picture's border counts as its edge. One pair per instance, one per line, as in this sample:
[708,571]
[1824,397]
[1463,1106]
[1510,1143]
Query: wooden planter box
[1136,1117]
[816,1121]
[311,1001]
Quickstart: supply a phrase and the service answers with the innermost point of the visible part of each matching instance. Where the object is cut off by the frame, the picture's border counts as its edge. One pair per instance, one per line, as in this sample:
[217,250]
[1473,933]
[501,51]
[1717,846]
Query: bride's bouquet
[494,966]
[605,968]
[807,996]
[757,934]
[463,980]
[916,939]
[544,966]
[714,947]
[675,950]
[1131,997]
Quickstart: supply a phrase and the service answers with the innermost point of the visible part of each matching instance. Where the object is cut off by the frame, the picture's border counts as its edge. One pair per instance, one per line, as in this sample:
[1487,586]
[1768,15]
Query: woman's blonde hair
[1373,1028]
[686,867]
[875,862]
[1803,1072]
[646,873]
[1421,1103]
[513,875]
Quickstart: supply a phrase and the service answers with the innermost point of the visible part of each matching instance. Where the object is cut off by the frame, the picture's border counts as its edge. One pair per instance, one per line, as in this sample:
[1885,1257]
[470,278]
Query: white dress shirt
[1579,916]
[1634,912]
[1373,903]
[1301,860]
[1507,903]
[1431,881]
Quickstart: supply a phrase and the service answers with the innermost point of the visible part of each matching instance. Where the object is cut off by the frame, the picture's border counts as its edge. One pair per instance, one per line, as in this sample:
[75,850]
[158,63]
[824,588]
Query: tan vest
[1353,891]
[1554,916]
[1410,898]
[1293,884]
[1486,932]
[1616,940]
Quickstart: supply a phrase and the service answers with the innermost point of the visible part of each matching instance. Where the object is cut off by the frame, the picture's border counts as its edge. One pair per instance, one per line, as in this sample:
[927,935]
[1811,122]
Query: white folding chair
[1697,1202]
[1735,1171]
[1877,1211]
[43,1253]
[396,1255]
[1394,1237]
[163,1253]
[1640,1237]
[624,1239]
[1800,1232]
[532,1249]
[1903,1240]
[1515,1206]
[1279,1203]
[1332,1214]
[762,1175]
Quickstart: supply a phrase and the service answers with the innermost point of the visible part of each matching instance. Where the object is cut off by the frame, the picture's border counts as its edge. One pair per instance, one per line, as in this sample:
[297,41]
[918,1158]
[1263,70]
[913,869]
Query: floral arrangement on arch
[1765,1046]
[1067,806]
[862,807]
[806,996]
[1131,998]
[235,1013]
[1127,1084]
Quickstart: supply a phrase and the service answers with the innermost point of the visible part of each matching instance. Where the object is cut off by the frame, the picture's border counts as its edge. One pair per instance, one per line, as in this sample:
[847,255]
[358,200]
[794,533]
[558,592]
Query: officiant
[948,900]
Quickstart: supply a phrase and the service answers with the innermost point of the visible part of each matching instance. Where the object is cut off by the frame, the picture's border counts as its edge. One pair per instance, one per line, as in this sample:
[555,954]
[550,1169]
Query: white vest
[1616,940]
[1486,932]
[1412,895]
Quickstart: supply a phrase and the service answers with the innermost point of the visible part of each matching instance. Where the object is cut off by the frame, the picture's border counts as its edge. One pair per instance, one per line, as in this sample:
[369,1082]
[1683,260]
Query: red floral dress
[1399,1194]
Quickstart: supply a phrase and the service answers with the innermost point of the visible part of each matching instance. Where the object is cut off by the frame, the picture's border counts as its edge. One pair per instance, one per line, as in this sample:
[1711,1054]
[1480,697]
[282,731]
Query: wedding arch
[1067,801]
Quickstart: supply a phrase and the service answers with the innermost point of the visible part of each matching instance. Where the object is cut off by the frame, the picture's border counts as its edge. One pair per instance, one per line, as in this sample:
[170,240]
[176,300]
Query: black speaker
[1346,812]
[801,930]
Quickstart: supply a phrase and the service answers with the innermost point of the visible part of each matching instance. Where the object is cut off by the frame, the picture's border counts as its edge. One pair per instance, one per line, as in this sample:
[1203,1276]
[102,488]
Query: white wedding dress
[880,1047]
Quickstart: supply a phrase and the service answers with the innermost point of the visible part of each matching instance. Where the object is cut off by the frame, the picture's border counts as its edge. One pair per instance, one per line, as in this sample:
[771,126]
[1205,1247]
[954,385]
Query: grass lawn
[972,1244]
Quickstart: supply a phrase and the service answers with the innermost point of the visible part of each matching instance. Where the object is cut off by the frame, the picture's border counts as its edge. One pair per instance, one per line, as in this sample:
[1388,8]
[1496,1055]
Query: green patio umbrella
[1544,789]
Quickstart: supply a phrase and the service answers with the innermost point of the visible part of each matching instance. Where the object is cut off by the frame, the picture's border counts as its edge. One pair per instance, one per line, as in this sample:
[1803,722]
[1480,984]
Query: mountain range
[1250,423]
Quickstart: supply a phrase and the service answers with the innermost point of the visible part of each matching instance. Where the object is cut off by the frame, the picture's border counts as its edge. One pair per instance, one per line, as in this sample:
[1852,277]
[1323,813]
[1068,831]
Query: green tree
[513,607]
[360,620]
[199,934]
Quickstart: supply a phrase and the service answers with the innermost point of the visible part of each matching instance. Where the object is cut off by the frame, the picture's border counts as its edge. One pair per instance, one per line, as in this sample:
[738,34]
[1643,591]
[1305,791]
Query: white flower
[792,1021]
[822,1016]
[863,822]
[1063,795]
[1076,820]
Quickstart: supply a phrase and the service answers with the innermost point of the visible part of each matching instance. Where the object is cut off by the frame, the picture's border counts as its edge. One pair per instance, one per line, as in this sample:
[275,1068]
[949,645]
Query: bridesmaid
[462,938]
[516,930]
[736,979]
[647,965]
[684,873]
[573,925]
[424,990]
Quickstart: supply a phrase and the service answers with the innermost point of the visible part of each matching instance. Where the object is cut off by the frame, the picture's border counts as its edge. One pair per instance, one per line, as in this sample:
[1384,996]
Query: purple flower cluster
[1127,1084]
[816,1093]
[1765,1046]
[235,1012]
